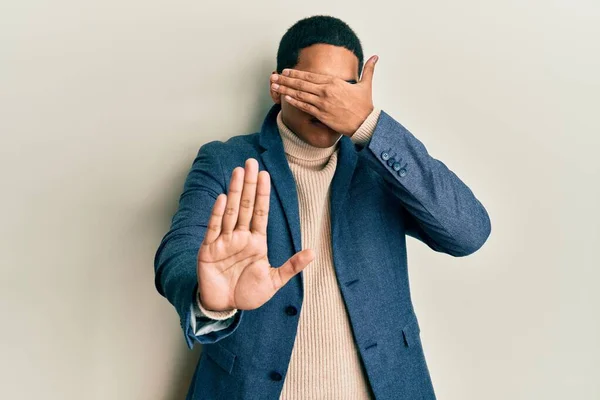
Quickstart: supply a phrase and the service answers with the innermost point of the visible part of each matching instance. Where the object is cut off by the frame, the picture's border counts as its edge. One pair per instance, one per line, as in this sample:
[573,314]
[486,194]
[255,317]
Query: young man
[335,320]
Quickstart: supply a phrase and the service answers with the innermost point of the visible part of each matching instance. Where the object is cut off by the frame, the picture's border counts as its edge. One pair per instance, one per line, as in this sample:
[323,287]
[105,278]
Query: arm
[440,210]
[175,261]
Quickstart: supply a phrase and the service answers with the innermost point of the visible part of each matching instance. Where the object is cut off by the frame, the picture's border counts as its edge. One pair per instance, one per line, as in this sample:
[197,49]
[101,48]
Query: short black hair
[316,29]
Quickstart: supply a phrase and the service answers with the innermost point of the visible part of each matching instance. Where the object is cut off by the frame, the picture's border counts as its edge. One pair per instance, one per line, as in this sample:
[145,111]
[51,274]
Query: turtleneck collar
[298,148]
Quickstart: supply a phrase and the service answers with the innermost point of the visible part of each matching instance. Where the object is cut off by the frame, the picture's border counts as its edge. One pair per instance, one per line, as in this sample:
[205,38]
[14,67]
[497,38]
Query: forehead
[329,60]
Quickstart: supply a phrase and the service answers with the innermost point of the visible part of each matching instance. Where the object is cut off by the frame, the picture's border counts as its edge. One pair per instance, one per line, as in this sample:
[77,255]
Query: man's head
[324,45]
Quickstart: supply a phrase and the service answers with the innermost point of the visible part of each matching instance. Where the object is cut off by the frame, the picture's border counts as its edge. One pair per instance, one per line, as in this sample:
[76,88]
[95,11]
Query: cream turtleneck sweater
[325,363]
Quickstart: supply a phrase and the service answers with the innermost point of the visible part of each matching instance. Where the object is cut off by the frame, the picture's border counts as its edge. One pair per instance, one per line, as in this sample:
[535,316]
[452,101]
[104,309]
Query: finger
[280,276]
[307,76]
[296,83]
[214,223]
[233,201]
[260,214]
[309,108]
[248,195]
[300,95]
[369,70]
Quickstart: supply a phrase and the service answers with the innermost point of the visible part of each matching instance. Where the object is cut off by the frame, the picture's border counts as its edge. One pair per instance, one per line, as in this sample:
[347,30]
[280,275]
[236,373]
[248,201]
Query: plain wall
[104,105]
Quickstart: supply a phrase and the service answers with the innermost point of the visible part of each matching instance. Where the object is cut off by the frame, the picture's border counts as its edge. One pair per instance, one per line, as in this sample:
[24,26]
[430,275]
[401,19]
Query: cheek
[294,113]
[287,108]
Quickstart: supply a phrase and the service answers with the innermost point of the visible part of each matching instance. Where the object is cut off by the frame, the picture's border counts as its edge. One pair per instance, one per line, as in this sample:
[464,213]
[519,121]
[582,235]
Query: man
[335,320]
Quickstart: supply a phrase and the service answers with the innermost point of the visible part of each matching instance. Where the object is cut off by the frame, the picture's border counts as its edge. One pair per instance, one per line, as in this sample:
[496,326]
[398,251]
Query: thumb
[280,276]
[369,70]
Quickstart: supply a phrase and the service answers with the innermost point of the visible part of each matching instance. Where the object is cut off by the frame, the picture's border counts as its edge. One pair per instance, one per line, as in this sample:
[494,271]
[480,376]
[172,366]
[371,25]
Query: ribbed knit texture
[325,363]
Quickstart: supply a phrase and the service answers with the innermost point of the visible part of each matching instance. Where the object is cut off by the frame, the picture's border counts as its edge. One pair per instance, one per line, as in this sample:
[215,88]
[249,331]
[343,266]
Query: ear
[276,96]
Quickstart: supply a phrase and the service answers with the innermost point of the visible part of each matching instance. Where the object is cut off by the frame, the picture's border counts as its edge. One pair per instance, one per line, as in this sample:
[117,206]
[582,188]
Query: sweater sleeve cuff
[216,315]
[365,130]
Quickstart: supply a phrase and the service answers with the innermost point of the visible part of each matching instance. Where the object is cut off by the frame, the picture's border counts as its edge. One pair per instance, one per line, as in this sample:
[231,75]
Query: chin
[322,129]
[322,135]
[326,141]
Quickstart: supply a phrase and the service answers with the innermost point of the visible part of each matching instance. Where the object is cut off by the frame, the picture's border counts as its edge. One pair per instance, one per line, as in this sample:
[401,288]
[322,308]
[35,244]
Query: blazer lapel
[282,179]
[284,183]
[342,178]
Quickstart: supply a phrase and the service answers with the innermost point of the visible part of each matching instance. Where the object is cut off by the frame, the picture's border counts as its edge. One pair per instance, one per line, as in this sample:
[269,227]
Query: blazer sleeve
[439,208]
[175,260]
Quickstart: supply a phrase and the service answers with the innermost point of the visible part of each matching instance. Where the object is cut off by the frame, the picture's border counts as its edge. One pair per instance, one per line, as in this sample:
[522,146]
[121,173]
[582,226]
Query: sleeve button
[396,166]
[402,172]
[385,156]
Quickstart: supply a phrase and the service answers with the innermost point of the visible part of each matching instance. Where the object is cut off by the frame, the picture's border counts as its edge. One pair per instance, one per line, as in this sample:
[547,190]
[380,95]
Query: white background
[104,105]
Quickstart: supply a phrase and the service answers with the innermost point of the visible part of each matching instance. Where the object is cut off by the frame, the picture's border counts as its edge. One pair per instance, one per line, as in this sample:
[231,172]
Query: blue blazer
[380,192]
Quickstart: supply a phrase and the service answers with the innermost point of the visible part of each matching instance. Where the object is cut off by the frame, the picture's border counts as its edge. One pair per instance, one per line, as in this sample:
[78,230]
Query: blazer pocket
[411,332]
[220,355]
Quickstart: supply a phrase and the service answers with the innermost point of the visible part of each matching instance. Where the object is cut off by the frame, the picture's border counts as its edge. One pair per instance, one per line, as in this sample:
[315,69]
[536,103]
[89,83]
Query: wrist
[363,116]
[202,305]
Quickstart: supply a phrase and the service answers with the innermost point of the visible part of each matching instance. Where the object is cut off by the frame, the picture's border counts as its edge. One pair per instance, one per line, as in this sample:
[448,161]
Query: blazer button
[291,310]
[385,156]
[396,166]
[276,376]
[391,161]
[402,172]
